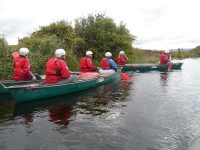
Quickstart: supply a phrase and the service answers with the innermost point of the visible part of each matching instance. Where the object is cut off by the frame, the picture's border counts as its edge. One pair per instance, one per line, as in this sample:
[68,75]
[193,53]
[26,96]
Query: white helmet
[59,53]
[23,51]
[166,51]
[121,52]
[89,53]
[108,54]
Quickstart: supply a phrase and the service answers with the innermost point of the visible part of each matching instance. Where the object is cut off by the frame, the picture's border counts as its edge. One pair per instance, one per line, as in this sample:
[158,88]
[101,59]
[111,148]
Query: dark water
[156,111]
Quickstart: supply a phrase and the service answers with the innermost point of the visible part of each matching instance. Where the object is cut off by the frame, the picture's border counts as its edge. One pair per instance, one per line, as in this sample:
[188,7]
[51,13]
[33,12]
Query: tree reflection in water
[94,101]
[104,99]
[6,111]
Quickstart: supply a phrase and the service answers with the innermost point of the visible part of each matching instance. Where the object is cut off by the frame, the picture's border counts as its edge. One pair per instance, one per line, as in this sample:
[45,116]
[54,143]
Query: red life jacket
[56,70]
[83,65]
[105,64]
[51,68]
[86,65]
[121,60]
[52,74]
[164,58]
[22,69]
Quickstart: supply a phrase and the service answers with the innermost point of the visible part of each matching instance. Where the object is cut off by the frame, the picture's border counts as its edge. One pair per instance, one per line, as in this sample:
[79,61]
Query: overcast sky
[158,24]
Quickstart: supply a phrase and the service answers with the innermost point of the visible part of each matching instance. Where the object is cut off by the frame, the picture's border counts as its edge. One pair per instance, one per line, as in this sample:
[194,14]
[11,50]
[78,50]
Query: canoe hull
[45,91]
[150,67]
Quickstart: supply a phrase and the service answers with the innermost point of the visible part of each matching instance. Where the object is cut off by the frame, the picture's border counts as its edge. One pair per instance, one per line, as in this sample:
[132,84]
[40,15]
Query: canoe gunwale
[7,83]
[28,86]
[150,64]
[26,94]
[150,67]
[41,85]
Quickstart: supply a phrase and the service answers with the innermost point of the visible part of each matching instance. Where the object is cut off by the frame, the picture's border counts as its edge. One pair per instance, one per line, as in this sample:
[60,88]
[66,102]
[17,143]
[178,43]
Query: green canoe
[7,83]
[150,67]
[36,91]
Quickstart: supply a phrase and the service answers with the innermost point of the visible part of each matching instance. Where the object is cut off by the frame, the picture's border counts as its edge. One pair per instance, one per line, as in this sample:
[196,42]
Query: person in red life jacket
[121,59]
[165,57]
[57,70]
[108,66]
[86,63]
[22,66]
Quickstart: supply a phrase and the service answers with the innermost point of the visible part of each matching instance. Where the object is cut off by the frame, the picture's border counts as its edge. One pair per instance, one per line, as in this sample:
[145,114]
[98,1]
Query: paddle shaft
[125,56]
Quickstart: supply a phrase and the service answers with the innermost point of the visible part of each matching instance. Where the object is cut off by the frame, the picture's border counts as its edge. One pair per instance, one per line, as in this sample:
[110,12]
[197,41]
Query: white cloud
[158,24]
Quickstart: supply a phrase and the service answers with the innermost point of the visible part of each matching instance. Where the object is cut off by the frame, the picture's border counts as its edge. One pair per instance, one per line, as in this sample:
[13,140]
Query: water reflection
[60,110]
[4,97]
[28,118]
[61,114]
[104,99]
[164,76]
[6,111]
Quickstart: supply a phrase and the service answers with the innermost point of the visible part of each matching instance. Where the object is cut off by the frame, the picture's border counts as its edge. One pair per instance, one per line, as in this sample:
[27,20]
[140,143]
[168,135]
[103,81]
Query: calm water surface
[156,111]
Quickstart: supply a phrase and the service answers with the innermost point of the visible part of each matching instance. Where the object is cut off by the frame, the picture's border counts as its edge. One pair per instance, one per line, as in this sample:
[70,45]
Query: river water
[155,111]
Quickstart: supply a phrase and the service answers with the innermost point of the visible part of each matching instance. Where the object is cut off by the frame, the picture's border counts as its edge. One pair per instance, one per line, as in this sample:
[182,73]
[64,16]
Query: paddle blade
[124,76]
[15,54]
[169,66]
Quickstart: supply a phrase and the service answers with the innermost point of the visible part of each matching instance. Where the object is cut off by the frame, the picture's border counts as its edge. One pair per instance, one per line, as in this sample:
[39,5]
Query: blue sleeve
[113,64]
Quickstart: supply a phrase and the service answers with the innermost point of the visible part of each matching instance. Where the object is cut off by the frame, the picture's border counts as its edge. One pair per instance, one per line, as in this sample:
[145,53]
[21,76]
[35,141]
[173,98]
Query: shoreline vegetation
[97,33]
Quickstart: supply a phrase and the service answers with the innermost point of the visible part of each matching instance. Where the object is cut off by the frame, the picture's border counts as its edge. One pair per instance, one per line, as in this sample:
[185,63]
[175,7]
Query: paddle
[169,65]
[126,56]
[2,85]
[76,72]
[15,54]
[23,86]
[124,76]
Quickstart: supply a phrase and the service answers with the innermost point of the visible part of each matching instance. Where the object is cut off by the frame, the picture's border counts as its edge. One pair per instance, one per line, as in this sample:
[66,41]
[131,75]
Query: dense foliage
[96,32]
[5,60]
[187,54]
[196,51]
[101,34]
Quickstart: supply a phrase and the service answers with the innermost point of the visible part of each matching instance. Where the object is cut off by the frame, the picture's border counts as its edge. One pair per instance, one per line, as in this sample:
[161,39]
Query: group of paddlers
[57,71]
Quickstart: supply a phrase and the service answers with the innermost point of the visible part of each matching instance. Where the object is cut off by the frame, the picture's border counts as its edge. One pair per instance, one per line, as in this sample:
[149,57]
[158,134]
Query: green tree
[62,31]
[3,46]
[100,34]
[46,40]
[5,60]
[196,51]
